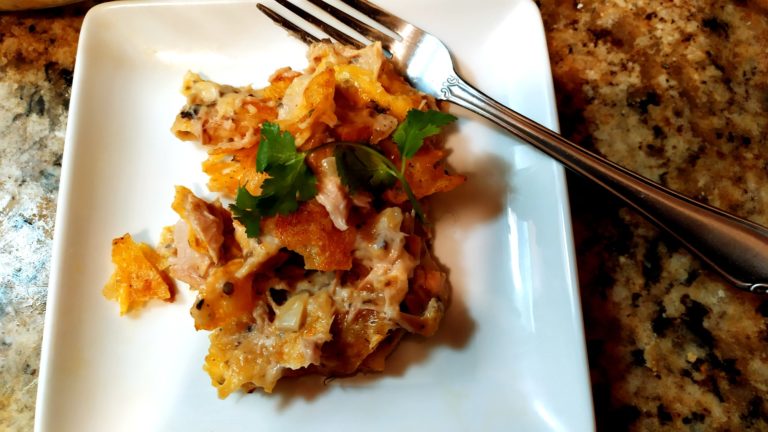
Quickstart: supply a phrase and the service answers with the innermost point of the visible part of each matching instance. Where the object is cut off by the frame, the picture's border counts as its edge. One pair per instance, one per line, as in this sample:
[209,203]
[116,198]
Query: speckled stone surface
[677,91]
[37,52]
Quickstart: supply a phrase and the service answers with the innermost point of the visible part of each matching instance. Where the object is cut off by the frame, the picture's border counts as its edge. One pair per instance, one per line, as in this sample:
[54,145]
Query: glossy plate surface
[510,355]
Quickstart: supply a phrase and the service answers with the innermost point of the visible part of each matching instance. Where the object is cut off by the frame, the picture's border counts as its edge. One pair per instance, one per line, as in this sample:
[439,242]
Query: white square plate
[510,355]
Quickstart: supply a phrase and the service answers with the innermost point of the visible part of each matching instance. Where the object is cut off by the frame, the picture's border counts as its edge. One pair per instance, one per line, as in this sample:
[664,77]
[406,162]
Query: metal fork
[734,247]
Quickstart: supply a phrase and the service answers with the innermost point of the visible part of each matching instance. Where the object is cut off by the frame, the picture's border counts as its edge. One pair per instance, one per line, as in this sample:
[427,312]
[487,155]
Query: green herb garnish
[418,125]
[362,167]
[290,181]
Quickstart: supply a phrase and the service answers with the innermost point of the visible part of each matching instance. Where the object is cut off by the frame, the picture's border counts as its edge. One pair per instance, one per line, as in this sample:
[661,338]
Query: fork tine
[292,28]
[322,25]
[355,24]
[377,14]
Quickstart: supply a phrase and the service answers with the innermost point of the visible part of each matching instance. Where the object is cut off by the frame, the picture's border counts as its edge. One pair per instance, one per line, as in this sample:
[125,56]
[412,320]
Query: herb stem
[392,169]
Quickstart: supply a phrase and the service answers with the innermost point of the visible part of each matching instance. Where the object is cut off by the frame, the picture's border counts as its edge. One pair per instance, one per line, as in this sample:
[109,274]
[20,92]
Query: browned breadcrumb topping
[678,92]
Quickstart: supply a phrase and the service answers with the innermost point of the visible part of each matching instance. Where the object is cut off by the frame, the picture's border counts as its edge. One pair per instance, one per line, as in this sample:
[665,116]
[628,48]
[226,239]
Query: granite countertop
[676,91]
[37,52]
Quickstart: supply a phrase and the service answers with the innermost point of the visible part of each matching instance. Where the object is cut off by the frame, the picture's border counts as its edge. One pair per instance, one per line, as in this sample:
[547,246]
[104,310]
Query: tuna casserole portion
[330,282]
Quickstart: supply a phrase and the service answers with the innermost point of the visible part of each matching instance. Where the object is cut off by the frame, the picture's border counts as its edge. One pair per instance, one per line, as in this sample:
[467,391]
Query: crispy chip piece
[224,299]
[372,90]
[278,83]
[229,171]
[308,120]
[139,275]
[310,232]
[426,172]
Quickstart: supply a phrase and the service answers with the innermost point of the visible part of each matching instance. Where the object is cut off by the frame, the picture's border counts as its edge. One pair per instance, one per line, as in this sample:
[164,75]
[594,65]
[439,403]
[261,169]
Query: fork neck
[736,248]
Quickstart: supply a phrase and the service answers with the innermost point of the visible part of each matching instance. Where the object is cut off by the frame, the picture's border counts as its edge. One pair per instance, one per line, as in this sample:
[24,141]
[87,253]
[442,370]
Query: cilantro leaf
[290,181]
[361,167]
[275,147]
[245,211]
[418,125]
[288,184]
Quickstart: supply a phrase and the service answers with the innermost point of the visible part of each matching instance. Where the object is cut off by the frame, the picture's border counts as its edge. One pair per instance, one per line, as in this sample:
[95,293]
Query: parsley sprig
[360,167]
[290,181]
[418,125]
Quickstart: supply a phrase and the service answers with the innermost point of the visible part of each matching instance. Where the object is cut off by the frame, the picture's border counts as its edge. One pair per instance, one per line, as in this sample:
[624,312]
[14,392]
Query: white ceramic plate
[511,353]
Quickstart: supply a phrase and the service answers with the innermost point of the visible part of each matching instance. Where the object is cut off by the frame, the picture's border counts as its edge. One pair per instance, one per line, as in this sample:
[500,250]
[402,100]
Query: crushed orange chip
[310,232]
[138,277]
[427,174]
[308,121]
[372,90]
[229,171]
[224,298]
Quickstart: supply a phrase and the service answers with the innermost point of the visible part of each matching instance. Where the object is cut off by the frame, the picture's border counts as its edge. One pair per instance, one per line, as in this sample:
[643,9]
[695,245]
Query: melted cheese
[331,287]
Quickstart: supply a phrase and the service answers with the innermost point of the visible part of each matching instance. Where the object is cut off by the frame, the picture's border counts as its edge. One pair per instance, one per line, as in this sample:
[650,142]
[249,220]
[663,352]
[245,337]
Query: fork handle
[734,247]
